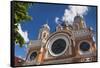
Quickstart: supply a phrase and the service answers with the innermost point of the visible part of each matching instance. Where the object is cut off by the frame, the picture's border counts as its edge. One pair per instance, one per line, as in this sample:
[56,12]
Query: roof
[78,17]
[34,43]
[46,26]
[18,60]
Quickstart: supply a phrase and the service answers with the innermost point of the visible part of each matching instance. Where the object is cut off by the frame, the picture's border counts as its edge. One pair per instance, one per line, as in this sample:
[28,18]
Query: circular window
[33,55]
[84,46]
[58,46]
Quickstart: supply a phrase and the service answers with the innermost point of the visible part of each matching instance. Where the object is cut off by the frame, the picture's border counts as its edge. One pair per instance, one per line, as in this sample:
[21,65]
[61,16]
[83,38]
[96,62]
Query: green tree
[20,14]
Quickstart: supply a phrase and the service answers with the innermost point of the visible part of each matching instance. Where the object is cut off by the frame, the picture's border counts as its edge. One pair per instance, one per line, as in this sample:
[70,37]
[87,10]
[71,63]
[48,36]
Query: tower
[84,44]
[44,33]
[43,36]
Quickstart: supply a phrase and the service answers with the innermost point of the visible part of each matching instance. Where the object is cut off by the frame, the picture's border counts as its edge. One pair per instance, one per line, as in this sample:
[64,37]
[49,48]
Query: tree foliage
[20,15]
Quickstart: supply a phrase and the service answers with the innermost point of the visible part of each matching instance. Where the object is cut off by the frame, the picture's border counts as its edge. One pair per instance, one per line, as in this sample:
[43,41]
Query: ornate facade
[70,43]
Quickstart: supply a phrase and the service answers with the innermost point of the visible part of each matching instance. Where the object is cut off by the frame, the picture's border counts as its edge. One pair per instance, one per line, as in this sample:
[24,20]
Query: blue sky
[41,13]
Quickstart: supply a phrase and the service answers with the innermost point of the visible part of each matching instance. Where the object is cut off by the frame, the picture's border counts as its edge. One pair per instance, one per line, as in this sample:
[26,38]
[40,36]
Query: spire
[47,22]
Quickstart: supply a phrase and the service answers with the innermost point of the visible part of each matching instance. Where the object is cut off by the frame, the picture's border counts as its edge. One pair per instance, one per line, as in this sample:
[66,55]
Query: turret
[44,33]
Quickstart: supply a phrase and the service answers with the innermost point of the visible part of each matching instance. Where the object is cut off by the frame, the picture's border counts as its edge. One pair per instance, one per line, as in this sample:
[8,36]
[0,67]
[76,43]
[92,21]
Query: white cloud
[72,11]
[23,34]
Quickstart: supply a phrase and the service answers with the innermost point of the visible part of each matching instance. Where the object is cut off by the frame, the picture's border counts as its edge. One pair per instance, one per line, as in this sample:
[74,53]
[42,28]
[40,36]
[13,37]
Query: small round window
[84,46]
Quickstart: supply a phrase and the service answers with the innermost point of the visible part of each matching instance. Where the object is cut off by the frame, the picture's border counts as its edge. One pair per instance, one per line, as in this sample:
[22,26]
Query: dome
[46,26]
[78,18]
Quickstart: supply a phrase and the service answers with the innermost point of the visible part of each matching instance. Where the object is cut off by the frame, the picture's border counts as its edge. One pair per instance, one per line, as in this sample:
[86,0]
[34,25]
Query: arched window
[33,55]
